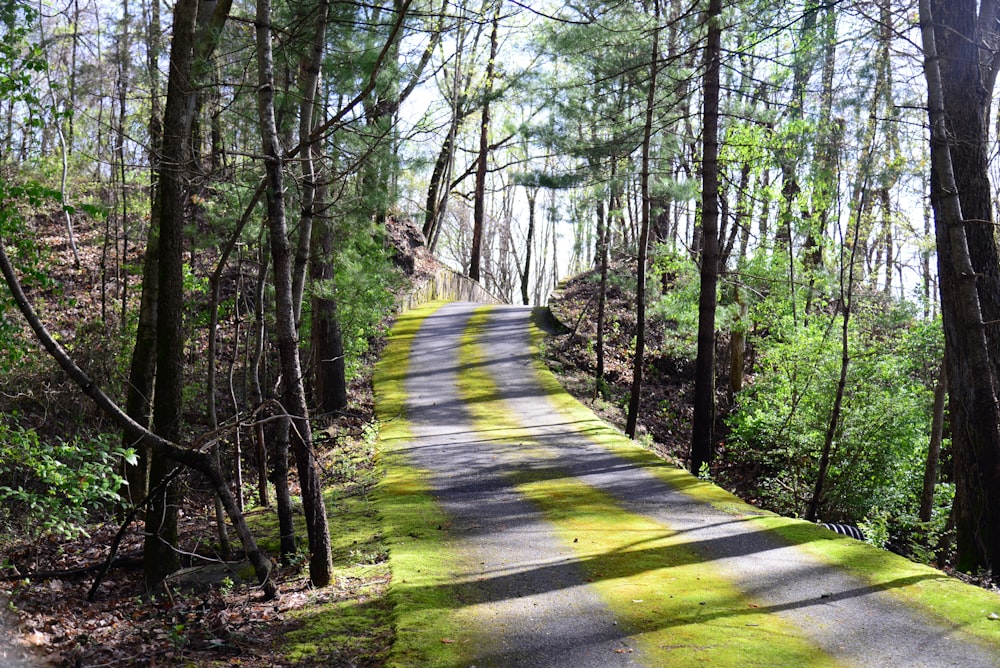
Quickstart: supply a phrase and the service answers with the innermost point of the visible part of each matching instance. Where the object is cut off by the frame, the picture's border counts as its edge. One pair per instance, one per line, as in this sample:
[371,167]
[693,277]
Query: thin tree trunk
[703,421]
[531,192]
[934,446]
[640,292]
[123,82]
[257,392]
[479,207]
[309,69]
[602,296]
[320,561]
[846,302]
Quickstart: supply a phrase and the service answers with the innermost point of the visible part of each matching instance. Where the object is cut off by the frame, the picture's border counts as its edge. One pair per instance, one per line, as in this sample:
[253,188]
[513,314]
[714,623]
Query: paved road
[532,590]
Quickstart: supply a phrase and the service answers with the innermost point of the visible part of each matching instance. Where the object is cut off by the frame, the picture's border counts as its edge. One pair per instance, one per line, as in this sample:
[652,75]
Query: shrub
[56,487]
[779,426]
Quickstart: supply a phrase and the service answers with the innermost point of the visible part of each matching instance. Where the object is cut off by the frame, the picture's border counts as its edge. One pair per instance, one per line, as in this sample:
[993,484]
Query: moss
[678,610]
[429,630]
[961,607]
[340,633]
[958,605]
[348,624]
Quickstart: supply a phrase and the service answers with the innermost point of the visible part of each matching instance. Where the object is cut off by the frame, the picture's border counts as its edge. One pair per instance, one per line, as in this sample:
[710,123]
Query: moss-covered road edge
[428,632]
[961,607]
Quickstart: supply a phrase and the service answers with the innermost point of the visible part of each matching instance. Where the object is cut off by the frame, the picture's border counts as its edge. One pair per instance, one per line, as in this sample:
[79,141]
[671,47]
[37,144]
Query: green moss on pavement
[967,609]
[429,630]
[680,611]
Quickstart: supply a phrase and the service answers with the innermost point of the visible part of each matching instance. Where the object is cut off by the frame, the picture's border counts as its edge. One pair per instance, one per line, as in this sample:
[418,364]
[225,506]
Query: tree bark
[703,422]
[320,561]
[330,386]
[640,293]
[479,207]
[972,380]
[309,69]
[160,557]
[531,192]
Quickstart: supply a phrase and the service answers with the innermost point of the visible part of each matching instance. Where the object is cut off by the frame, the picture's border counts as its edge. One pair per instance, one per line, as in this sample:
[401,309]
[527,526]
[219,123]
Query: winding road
[569,547]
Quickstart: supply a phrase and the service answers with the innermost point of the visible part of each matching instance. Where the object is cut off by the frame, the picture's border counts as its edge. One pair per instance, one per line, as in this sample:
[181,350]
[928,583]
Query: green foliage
[677,305]
[780,423]
[363,285]
[55,487]
[25,255]
[19,58]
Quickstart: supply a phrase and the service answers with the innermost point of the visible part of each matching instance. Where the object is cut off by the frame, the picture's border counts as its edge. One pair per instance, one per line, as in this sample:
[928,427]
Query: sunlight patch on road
[681,612]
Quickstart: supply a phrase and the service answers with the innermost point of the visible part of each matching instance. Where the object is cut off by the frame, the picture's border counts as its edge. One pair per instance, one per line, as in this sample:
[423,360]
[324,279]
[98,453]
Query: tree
[640,296]
[159,557]
[703,426]
[479,210]
[957,76]
[294,398]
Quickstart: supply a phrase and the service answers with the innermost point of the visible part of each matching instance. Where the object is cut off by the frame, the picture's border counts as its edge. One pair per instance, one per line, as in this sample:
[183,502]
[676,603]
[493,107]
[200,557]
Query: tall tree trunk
[972,381]
[320,561]
[703,421]
[309,69]
[142,367]
[640,292]
[123,84]
[256,384]
[479,207]
[160,557]
[327,338]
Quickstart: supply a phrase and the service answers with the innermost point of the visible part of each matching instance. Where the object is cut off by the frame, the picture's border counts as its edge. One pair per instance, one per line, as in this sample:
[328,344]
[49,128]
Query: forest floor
[45,616]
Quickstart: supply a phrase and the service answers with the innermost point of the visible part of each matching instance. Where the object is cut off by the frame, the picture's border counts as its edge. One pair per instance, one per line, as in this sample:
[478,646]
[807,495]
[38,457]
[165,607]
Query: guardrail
[445,284]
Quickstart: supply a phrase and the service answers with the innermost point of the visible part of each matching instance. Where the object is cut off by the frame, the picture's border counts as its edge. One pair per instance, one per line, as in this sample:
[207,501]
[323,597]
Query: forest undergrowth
[210,617]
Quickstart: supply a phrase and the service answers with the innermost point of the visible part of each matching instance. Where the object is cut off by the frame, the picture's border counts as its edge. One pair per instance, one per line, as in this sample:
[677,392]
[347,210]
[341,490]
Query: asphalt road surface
[536,602]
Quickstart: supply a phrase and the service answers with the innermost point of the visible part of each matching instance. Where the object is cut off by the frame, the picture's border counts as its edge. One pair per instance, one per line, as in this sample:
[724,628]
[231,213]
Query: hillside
[46,577]
[668,384]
